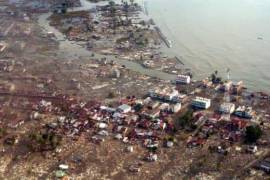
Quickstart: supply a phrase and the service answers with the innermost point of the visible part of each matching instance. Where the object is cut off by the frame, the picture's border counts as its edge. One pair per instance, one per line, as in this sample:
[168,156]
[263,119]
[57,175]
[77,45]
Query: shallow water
[219,34]
[71,50]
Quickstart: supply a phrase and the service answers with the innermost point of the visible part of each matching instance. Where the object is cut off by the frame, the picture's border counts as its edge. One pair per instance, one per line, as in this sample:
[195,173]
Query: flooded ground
[72,49]
[204,39]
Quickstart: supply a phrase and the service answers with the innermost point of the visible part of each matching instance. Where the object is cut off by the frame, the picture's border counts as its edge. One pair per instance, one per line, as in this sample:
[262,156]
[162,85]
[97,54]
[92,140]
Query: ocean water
[218,34]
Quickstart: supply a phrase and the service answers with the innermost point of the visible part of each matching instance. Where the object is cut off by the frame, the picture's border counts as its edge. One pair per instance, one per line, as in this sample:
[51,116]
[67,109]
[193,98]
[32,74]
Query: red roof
[240,122]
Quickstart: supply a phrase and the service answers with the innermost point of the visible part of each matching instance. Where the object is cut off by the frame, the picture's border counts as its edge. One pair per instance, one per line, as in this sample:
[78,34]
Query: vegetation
[153,149]
[111,3]
[112,8]
[185,121]
[170,139]
[2,132]
[111,95]
[43,141]
[138,107]
[253,133]
[214,78]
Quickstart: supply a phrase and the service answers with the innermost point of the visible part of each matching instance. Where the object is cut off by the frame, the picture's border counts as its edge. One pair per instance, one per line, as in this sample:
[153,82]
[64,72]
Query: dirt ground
[32,66]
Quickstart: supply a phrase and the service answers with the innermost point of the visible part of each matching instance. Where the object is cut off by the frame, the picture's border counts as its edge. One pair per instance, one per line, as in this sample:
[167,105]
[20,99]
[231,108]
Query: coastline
[67,47]
[204,56]
[84,87]
[66,44]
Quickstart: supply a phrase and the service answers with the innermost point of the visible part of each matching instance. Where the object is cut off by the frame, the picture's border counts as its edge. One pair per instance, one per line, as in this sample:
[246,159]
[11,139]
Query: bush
[185,120]
[214,78]
[138,107]
[2,132]
[153,149]
[111,95]
[42,141]
[253,133]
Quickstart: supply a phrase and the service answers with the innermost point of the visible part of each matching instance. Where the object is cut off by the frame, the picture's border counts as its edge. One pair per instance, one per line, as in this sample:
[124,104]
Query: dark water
[219,34]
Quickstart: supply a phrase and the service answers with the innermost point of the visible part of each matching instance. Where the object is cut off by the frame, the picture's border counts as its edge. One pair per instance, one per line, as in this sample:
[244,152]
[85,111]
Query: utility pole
[228,73]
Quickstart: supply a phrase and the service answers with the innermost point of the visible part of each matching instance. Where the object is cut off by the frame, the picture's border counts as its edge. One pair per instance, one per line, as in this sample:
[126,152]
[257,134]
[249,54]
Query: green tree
[138,107]
[253,133]
[214,77]
[2,132]
[43,141]
[111,95]
[111,3]
[153,149]
[185,120]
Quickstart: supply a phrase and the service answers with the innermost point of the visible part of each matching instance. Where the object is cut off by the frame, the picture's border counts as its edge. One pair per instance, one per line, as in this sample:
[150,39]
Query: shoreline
[92,86]
[206,59]
[81,51]
[137,67]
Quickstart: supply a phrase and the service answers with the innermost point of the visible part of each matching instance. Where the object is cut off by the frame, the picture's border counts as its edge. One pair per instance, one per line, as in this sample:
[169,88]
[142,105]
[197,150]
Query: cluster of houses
[144,121]
[119,8]
[225,108]
[233,88]
[74,24]
[232,131]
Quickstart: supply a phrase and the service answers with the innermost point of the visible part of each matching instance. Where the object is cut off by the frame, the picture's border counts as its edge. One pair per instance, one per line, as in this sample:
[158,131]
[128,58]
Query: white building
[176,107]
[108,109]
[167,94]
[227,108]
[182,79]
[200,102]
[228,86]
[124,108]
[164,106]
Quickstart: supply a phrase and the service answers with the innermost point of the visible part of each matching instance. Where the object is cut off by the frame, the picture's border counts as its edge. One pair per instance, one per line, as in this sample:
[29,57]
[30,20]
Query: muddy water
[71,49]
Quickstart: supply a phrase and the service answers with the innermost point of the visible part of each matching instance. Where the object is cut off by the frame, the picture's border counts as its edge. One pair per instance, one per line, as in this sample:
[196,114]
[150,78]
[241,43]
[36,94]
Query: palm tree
[111,3]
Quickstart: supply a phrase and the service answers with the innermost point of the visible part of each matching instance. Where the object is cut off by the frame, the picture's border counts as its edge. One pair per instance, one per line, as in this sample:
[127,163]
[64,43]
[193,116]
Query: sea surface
[219,34]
